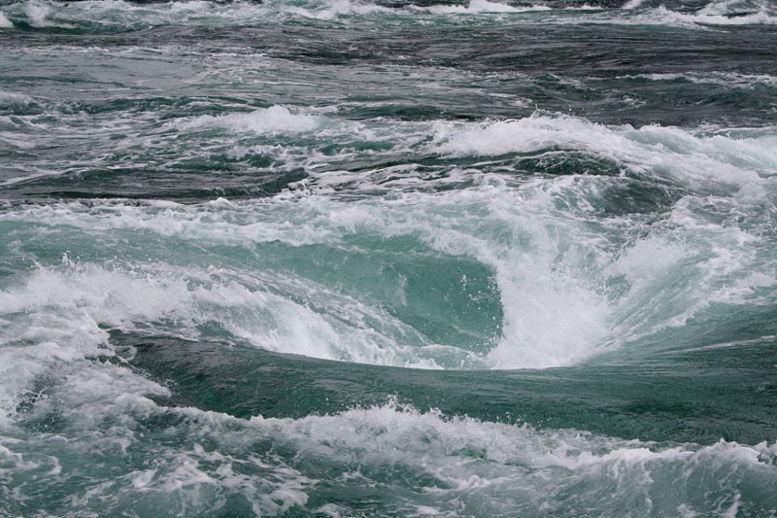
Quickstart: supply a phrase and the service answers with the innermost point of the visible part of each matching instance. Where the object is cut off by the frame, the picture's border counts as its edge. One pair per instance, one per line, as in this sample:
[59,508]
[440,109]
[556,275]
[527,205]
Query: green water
[338,258]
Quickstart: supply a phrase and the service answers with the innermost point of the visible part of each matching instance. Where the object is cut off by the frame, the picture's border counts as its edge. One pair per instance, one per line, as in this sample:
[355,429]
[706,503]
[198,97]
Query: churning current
[388,258]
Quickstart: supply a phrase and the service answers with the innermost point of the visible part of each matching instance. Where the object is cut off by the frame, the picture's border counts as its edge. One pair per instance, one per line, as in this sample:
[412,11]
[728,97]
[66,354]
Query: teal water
[341,258]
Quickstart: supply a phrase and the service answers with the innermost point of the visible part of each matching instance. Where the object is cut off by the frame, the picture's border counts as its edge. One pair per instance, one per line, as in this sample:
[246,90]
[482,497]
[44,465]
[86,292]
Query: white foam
[483,7]
[729,79]
[275,119]
[495,468]
[750,11]
[121,14]
[555,312]
[506,467]
[633,4]
[5,23]
[13,97]
[698,162]
[722,13]
[686,266]
[541,238]
[331,9]
[551,317]
[663,16]
[67,307]
[118,13]
[37,13]
[535,293]
[56,318]
[411,436]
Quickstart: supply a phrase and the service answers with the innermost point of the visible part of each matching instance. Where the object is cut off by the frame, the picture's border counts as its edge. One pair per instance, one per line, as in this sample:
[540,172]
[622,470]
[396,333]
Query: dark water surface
[340,258]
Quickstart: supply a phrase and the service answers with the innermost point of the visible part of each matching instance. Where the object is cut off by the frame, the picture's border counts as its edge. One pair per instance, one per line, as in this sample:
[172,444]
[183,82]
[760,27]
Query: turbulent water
[341,258]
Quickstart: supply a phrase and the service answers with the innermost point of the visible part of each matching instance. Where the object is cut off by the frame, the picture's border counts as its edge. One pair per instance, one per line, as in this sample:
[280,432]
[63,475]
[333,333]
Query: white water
[269,120]
[729,79]
[638,234]
[467,466]
[542,239]
[700,162]
[550,251]
[116,14]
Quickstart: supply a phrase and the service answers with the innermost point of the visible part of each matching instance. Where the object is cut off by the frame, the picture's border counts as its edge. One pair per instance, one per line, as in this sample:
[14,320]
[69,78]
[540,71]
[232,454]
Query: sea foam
[264,120]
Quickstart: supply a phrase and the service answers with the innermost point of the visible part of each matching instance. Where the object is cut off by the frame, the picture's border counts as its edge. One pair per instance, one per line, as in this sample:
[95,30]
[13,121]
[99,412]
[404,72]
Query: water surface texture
[337,258]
